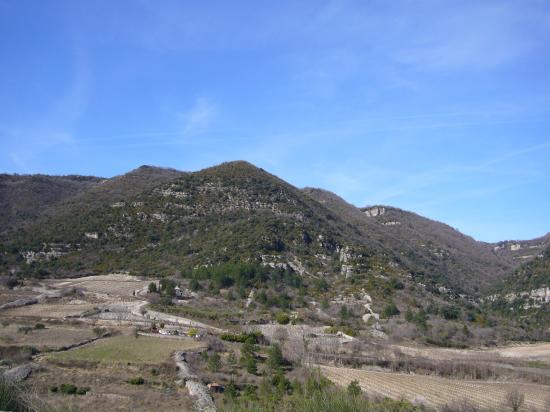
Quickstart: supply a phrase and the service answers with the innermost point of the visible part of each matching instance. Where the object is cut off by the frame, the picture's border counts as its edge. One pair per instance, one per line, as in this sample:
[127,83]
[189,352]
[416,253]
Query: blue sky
[440,107]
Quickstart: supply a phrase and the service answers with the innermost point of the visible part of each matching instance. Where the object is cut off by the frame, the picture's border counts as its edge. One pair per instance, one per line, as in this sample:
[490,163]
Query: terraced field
[51,337]
[115,284]
[141,350]
[537,351]
[9,295]
[49,310]
[436,391]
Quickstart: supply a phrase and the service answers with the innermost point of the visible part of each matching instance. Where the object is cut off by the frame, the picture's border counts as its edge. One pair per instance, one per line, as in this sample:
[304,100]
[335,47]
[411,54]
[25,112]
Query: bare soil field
[49,310]
[52,337]
[436,391]
[123,286]
[128,349]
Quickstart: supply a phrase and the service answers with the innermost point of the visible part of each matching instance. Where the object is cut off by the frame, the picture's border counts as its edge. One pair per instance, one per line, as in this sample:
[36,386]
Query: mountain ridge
[242,209]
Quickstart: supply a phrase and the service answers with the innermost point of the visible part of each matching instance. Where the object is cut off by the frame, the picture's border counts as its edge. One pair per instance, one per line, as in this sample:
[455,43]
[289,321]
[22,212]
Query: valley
[229,289]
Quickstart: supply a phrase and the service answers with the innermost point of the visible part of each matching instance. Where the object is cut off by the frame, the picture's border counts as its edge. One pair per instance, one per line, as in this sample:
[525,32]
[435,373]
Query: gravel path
[197,389]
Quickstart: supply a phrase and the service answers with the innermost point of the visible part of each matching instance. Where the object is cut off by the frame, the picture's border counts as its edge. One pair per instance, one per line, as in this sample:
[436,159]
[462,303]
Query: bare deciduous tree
[280,335]
[515,400]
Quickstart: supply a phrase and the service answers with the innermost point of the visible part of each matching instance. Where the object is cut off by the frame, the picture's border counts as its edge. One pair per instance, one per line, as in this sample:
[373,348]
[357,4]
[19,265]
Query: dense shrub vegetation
[15,397]
[241,337]
[317,394]
[243,275]
[69,389]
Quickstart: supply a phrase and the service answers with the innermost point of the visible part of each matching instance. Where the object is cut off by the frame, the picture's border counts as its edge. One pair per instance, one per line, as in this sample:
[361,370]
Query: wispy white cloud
[454,175]
[199,118]
[389,42]
[519,152]
[471,35]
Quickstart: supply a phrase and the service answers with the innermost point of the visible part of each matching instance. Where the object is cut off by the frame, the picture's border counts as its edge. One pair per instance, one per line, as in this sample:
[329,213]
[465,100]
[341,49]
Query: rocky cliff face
[374,211]
[522,251]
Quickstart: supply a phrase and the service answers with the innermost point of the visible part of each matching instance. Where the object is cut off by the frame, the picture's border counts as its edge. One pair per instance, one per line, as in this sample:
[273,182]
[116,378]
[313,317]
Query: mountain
[157,221]
[160,221]
[434,252]
[25,197]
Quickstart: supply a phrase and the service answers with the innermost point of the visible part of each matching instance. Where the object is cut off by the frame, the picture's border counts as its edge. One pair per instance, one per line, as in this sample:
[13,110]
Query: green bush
[242,337]
[250,393]
[421,319]
[397,284]
[99,331]
[450,312]
[82,391]
[317,394]
[230,392]
[282,318]
[275,358]
[354,389]
[390,310]
[251,365]
[243,275]
[214,362]
[345,329]
[345,313]
[231,359]
[194,285]
[136,381]
[67,388]
[349,331]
